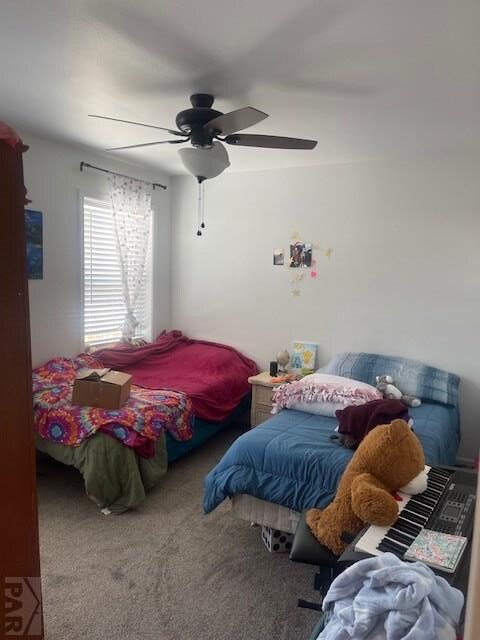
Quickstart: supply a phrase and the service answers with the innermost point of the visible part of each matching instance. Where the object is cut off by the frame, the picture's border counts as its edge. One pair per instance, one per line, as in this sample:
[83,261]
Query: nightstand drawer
[261,415]
[262,392]
[263,395]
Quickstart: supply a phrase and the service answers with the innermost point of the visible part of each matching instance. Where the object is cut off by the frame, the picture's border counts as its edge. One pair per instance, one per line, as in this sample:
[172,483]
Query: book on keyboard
[439,550]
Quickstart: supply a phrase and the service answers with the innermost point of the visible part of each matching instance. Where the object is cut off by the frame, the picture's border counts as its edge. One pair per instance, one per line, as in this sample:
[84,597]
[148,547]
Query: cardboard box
[101,388]
[276,541]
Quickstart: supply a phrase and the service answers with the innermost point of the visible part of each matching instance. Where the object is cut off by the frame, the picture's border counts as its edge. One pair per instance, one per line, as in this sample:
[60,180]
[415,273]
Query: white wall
[54,182]
[403,278]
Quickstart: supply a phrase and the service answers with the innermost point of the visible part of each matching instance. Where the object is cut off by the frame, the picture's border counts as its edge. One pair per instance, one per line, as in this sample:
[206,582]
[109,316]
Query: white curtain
[132,216]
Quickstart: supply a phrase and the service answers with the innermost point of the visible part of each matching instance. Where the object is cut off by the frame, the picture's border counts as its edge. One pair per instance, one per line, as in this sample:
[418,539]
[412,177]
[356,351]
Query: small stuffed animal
[391,392]
[390,458]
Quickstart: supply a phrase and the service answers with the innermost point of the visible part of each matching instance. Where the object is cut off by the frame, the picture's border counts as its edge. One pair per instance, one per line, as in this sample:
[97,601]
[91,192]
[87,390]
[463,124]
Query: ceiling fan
[203,127]
[206,129]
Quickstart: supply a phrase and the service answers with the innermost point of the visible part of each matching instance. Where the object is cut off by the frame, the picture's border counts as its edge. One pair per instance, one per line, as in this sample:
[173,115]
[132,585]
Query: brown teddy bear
[390,458]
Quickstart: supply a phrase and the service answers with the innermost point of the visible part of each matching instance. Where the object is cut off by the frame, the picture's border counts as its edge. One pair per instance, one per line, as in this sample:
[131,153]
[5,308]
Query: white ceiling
[367,78]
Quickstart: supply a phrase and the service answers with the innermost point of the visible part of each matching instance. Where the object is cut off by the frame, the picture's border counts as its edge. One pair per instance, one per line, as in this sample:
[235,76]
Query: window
[104,310]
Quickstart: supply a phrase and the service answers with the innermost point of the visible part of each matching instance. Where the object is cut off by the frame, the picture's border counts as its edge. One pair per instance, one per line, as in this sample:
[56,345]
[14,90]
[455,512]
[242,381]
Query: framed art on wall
[303,355]
[301,255]
[278,257]
[34,241]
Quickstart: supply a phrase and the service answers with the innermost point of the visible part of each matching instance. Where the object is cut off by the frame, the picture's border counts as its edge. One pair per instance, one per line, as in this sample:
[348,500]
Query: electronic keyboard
[447,505]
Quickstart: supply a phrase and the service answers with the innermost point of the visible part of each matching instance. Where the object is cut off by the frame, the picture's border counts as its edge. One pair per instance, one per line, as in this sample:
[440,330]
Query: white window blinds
[104,309]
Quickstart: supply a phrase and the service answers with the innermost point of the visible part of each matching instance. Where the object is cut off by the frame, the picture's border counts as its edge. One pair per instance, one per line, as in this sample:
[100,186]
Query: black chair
[306,548]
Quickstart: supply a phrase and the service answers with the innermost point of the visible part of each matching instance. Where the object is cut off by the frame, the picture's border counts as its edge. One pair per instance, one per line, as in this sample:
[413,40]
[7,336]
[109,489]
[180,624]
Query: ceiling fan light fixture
[205,162]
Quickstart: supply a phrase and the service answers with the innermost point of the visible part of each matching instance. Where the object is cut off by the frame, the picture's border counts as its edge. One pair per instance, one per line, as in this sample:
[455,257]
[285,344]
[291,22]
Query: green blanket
[115,477]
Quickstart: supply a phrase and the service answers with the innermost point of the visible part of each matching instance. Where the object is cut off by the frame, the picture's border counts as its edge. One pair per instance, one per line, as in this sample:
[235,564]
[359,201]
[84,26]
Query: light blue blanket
[384,598]
[412,377]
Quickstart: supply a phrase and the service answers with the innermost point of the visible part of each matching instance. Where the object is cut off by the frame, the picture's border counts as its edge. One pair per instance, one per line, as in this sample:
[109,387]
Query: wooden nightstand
[262,392]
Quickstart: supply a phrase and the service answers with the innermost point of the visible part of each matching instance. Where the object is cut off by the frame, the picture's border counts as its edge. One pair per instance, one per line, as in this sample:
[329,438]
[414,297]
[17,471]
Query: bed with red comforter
[214,378]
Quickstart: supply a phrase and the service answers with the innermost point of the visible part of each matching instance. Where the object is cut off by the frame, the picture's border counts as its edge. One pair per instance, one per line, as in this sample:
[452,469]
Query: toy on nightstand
[390,458]
[283,358]
[386,385]
[297,362]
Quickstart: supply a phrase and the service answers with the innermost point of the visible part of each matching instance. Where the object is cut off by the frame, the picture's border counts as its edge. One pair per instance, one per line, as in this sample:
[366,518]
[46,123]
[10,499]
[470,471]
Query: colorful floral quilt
[145,415]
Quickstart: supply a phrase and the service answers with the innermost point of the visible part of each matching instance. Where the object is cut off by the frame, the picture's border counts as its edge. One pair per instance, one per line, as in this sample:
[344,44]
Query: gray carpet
[165,571]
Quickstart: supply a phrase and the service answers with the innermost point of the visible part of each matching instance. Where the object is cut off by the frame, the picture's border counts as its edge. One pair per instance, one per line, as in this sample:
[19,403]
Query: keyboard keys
[423,501]
[394,534]
[430,494]
[419,507]
[435,486]
[394,547]
[441,472]
[404,525]
[415,515]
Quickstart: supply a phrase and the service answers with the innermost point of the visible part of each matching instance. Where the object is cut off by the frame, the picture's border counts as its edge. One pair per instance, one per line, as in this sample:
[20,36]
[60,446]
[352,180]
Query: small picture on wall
[34,239]
[278,257]
[301,255]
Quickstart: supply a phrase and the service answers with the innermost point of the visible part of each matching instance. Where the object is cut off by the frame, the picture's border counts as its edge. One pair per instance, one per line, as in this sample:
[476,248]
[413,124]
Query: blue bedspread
[290,460]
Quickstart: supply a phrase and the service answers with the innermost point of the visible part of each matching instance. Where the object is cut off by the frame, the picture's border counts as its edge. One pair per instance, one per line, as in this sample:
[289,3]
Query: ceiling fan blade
[140,124]
[269,142]
[147,144]
[235,120]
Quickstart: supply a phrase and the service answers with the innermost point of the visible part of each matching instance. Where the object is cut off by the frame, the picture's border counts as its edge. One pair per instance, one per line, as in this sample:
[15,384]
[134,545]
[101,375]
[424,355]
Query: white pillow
[322,394]
[317,408]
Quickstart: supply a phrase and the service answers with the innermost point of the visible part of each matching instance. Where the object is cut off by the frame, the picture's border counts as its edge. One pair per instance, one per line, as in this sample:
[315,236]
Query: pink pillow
[323,394]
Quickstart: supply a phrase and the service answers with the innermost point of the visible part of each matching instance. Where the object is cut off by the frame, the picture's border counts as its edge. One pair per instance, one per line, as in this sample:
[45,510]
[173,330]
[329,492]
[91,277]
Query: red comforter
[214,376]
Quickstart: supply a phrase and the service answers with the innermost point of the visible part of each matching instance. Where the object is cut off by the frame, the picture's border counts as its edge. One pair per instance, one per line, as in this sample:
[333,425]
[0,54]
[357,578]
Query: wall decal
[300,260]
[327,252]
[297,277]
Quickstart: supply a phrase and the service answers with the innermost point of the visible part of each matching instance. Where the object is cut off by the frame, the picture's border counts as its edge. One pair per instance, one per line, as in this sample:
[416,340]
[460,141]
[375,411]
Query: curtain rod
[114,173]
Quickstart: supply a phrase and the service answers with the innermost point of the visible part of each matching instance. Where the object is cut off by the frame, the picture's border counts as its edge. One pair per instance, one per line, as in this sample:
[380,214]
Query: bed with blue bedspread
[290,460]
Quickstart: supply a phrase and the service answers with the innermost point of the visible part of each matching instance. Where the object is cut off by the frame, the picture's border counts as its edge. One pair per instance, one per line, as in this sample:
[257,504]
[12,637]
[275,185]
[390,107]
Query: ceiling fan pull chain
[199,233]
[203,205]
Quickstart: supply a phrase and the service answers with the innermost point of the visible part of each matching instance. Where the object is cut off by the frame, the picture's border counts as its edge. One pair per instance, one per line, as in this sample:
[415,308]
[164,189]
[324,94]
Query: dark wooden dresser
[21,610]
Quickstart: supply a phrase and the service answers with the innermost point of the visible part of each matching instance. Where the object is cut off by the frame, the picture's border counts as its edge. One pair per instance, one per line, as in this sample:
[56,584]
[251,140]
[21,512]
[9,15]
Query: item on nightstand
[305,372]
[276,541]
[386,385]
[283,358]
[288,377]
[303,356]
[273,368]
[388,459]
